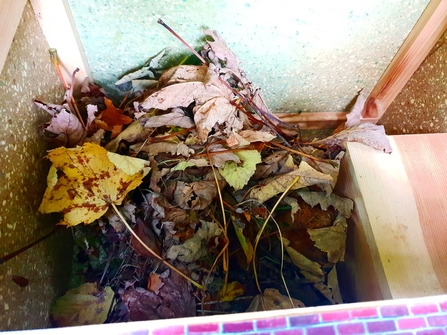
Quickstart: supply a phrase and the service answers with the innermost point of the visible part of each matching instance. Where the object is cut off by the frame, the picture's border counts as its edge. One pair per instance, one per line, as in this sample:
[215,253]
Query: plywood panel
[10,14]
[400,223]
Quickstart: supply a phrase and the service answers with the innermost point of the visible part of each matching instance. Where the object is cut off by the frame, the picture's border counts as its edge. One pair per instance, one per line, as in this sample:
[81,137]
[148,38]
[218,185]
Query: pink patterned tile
[304,320]
[271,323]
[335,316]
[323,330]
[289,332]
[424,309]
[437,320]
[364,313]
[392,311]
[351,328]
[203,328]
[431,332]
[237,327]
[411,323]
[174,330]
[381,326]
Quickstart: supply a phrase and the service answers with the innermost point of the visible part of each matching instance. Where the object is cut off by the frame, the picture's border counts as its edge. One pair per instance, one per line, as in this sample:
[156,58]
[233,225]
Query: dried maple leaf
[212,98]
[301,261]
[112,119]
[84,181]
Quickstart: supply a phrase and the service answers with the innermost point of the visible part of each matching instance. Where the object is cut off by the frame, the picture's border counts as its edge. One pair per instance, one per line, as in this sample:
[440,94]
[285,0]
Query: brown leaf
[211,96]
[147,235]
[112,118]
[174,300]
[155,283]
[308,176]
[196,195]
[176,118]
[64,129]
[366,133]
[272,300]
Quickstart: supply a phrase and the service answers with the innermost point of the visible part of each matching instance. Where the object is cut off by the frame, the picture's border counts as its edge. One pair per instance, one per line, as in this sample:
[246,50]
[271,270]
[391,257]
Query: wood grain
[10,15]
[60,31]
[398,220]
[422,38]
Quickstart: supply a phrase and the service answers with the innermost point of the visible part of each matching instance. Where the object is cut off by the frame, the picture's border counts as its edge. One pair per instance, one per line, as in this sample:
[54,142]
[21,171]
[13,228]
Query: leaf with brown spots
[84,181]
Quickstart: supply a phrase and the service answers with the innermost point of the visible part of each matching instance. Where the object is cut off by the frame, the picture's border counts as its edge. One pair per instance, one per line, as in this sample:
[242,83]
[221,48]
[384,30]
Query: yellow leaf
[84,305]
[238,175]
[231,291]
[84,181]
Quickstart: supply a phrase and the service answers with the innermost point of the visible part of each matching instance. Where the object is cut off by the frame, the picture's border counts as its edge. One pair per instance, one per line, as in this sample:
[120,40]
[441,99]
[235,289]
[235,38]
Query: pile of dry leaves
[198,199]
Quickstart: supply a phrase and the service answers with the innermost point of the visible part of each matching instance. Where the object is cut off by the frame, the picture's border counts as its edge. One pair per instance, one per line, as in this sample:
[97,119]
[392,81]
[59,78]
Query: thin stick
[263,227]
[13,254]
[153,253]
[160,21]
[302,153]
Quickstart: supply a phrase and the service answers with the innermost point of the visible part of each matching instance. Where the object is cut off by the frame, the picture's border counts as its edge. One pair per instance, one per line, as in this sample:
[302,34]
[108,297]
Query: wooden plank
[425,34]
[322,120]
[394,222]
[425,159]
[60,31]
[10,15]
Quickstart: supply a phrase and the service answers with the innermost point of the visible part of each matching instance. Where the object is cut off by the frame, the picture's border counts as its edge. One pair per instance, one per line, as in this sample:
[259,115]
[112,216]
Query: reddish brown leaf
[148,236]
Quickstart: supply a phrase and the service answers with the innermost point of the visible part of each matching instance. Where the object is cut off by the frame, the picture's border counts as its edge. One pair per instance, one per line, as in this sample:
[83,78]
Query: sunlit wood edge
[422,38]
[10,15]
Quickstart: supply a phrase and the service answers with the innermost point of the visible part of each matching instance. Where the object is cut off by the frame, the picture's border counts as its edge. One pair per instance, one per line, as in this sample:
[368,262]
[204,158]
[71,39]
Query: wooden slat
[425,34]
[401,210]
[323,120]
[10,15]
[60,31]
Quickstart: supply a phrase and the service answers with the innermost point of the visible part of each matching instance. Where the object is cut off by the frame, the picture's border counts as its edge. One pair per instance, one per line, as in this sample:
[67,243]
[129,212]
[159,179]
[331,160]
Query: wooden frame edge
[58,26]
[421,40]
[10,14]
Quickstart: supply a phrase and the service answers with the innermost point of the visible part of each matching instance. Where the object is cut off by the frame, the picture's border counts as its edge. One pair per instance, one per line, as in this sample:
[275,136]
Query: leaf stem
[160,21]
[258,237]
[172,267]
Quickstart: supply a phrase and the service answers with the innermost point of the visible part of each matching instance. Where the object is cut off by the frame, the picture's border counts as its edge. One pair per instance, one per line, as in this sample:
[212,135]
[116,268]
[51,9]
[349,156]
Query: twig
[26,247]
[160,21]
[328,161]
[70,100]
[153,253]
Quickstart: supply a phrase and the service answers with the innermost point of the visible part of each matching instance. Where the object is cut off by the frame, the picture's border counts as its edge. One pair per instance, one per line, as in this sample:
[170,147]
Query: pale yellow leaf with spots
[84,181]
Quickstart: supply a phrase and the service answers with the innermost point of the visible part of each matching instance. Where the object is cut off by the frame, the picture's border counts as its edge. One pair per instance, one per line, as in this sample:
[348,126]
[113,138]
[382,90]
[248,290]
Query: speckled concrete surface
[27,74]
[310,55]
[421,107]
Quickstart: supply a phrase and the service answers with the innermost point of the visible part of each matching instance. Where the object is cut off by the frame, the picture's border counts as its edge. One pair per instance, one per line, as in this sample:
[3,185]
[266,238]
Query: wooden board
[59,29]
[422,38]
[399,238]
[10,15]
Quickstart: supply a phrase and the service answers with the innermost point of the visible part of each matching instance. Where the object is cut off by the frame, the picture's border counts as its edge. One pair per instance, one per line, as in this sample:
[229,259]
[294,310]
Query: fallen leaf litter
[230,210]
